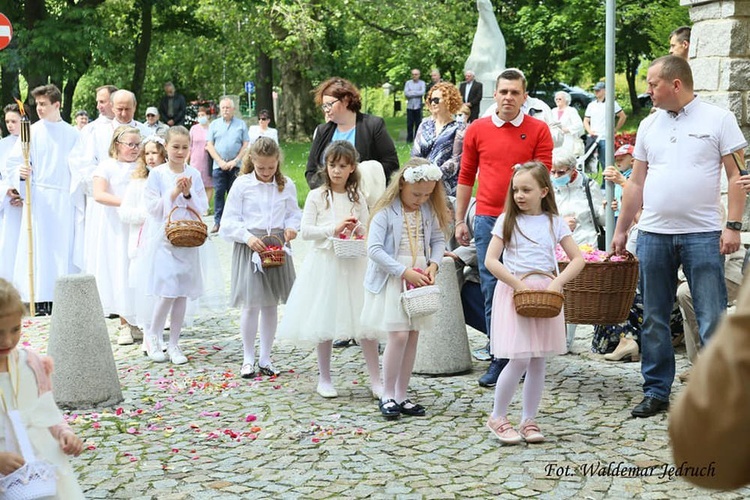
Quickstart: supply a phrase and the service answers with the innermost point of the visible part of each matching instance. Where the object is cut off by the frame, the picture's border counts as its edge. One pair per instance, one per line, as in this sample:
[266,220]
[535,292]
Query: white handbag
[36,478]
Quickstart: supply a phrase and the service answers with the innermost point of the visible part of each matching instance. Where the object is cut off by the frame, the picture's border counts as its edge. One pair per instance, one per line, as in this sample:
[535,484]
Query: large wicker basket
[420,302]
[186,232]
[602,294]
[272,257]
[538,303]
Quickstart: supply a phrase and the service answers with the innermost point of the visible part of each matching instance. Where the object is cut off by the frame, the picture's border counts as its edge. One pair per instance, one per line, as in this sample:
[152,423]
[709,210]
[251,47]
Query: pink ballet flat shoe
[530,432]
[503,431]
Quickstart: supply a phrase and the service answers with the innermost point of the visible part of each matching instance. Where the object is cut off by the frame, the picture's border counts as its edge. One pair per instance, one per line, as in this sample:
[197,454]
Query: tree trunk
[68,91]
[630,72]
[142,47]
[296,112]
[264,86]
[10,88]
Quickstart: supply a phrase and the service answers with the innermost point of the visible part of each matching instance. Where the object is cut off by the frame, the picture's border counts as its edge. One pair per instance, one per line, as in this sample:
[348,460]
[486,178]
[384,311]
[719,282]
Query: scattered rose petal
[251,418]
[255,429]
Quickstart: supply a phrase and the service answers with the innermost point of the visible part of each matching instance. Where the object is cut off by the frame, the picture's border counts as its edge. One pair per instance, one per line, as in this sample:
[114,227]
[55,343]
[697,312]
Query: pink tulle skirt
[515,336]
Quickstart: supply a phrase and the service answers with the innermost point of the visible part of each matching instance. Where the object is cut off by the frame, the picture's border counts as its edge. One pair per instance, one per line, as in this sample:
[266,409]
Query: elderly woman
[438,138]
[569,122]
[573,204]
[341,103]
[572,200]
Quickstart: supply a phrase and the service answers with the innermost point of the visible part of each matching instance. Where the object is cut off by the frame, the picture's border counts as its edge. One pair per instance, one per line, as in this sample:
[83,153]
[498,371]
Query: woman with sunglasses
[262,129]
[341,102]
[440,137]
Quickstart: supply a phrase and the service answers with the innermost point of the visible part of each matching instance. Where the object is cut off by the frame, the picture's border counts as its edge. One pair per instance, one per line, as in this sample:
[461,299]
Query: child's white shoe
[152,349]
[176,356]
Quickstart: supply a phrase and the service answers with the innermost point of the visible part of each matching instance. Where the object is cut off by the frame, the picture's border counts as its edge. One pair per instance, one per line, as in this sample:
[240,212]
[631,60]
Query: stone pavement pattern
[199,431]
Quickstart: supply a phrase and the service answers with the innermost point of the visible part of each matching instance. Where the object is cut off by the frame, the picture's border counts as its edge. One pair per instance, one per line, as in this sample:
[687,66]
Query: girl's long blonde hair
[438,200]
[549,206]
[264,147]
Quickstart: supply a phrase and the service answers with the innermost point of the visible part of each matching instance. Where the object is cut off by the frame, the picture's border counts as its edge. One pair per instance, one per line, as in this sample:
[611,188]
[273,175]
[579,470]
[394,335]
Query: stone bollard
[85,374]
[444,348]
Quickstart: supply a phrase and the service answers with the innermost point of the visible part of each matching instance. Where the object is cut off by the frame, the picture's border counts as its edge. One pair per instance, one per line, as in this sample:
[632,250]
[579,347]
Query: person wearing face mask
[198,157]
[574,207]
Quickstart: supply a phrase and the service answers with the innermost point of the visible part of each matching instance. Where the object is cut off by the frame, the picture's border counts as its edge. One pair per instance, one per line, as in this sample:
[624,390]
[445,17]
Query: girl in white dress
[261,204]
[111,263]
[175,275]
[134,213]
[405,243]
[25,386]
[326,300]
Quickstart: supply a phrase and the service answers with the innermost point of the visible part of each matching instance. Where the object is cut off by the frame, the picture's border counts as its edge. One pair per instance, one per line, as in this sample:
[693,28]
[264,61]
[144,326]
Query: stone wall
[720,57]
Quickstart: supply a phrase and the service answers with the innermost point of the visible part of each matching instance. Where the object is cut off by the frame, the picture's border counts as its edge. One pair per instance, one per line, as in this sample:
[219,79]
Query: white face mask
[202,120]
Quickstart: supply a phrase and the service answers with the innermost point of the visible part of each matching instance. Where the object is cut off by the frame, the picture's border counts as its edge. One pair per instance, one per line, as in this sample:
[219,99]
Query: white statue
[487,58]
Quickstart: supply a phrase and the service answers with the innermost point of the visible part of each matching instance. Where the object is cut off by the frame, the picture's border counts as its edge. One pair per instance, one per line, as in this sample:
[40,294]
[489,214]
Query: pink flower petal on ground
[132,430]
[251,418]
[96,425]
[175,450]
[133,459]
[158,406]
[217,348]
[91,447]
[315,440]
[118,411]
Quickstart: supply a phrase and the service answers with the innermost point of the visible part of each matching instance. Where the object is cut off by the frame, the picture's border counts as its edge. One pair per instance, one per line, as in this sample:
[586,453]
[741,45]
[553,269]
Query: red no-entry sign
[6,31]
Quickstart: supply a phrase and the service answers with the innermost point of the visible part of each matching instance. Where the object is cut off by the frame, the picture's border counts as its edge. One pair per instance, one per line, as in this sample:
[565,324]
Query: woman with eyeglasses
[110,262]
[262,129]
[440,137]
[341,103]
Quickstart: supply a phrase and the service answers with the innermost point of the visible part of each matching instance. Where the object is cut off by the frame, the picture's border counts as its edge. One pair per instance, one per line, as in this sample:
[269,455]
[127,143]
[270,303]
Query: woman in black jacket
[340,101]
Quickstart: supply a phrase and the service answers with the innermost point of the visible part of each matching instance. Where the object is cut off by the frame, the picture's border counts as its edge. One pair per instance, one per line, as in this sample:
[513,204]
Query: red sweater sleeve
[470,158]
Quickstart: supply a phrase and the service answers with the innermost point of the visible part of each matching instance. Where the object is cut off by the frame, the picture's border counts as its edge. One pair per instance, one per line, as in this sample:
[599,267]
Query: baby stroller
[588,162]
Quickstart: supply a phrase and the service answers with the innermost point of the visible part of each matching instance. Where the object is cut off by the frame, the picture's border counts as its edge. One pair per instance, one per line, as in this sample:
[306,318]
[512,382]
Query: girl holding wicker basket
[404,244]
[326,300]
[526,235]
[174,190]
[35,438]
[261,217]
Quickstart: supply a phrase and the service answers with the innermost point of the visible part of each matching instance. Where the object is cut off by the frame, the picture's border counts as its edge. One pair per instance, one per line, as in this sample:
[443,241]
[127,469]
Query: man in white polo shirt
[676,176]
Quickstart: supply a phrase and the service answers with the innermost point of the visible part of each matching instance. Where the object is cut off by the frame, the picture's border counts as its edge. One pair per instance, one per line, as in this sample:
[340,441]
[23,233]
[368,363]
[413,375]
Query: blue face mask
[202,120]
[561,181]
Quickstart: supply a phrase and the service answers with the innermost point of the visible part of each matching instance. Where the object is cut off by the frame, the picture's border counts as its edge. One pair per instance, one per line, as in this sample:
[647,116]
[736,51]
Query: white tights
[398,362]
[369,351]
[178,306]
[249,328]
[533,386]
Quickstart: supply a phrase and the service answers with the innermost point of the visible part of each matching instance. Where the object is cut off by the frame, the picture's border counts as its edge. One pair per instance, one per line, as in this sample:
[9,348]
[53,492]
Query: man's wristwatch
[734,225]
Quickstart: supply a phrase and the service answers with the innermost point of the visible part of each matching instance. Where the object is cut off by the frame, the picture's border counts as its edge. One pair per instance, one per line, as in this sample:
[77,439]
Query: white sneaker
[176,356]
[124,335]
[151,347]
[247,370]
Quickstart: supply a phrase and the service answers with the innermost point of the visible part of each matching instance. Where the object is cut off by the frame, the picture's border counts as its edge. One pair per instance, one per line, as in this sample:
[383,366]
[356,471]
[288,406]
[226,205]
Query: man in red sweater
[492,146]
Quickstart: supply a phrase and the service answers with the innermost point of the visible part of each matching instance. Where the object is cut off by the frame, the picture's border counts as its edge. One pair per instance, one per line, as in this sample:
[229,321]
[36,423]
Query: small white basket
[350,248]
[420,302]
[36,478]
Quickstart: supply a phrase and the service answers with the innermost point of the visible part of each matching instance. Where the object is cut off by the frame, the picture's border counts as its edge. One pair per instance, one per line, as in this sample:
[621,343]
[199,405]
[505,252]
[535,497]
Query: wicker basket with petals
[186,232]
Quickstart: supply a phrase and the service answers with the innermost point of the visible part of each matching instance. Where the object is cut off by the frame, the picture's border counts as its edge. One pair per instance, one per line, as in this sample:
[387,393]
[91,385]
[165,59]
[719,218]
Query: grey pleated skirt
[251,288]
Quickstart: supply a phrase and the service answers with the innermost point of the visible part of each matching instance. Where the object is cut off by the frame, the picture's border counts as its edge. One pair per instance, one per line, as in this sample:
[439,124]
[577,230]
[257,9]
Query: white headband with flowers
[154,138]
[424,172]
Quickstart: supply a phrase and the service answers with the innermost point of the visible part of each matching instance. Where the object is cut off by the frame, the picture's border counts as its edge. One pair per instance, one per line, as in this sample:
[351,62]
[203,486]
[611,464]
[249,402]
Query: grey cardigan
[384,239]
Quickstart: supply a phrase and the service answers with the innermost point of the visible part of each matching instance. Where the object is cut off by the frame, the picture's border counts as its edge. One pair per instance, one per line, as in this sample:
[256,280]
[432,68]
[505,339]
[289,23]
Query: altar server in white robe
[51,209]
[10,200]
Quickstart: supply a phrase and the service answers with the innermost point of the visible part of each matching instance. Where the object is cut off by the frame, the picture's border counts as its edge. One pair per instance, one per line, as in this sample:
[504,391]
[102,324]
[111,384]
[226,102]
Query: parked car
[645,101]
[579,98]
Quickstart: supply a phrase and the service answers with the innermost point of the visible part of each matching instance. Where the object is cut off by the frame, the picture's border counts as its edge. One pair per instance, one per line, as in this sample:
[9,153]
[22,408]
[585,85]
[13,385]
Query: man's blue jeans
[483,225]
[660,255]
[223,180]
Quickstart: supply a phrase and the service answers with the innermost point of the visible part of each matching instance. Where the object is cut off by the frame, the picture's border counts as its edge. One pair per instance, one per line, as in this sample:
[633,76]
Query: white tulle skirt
[382,312]
[326,300]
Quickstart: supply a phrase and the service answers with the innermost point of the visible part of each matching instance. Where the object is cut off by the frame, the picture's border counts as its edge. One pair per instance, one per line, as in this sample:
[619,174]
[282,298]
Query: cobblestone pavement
[199,431]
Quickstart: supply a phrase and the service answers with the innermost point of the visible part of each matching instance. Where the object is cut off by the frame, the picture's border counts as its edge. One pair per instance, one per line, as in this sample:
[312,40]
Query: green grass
[295,155]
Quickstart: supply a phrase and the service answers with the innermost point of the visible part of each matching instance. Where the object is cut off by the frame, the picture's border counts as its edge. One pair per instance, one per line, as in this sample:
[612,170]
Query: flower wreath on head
[155,138]
[425,172]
